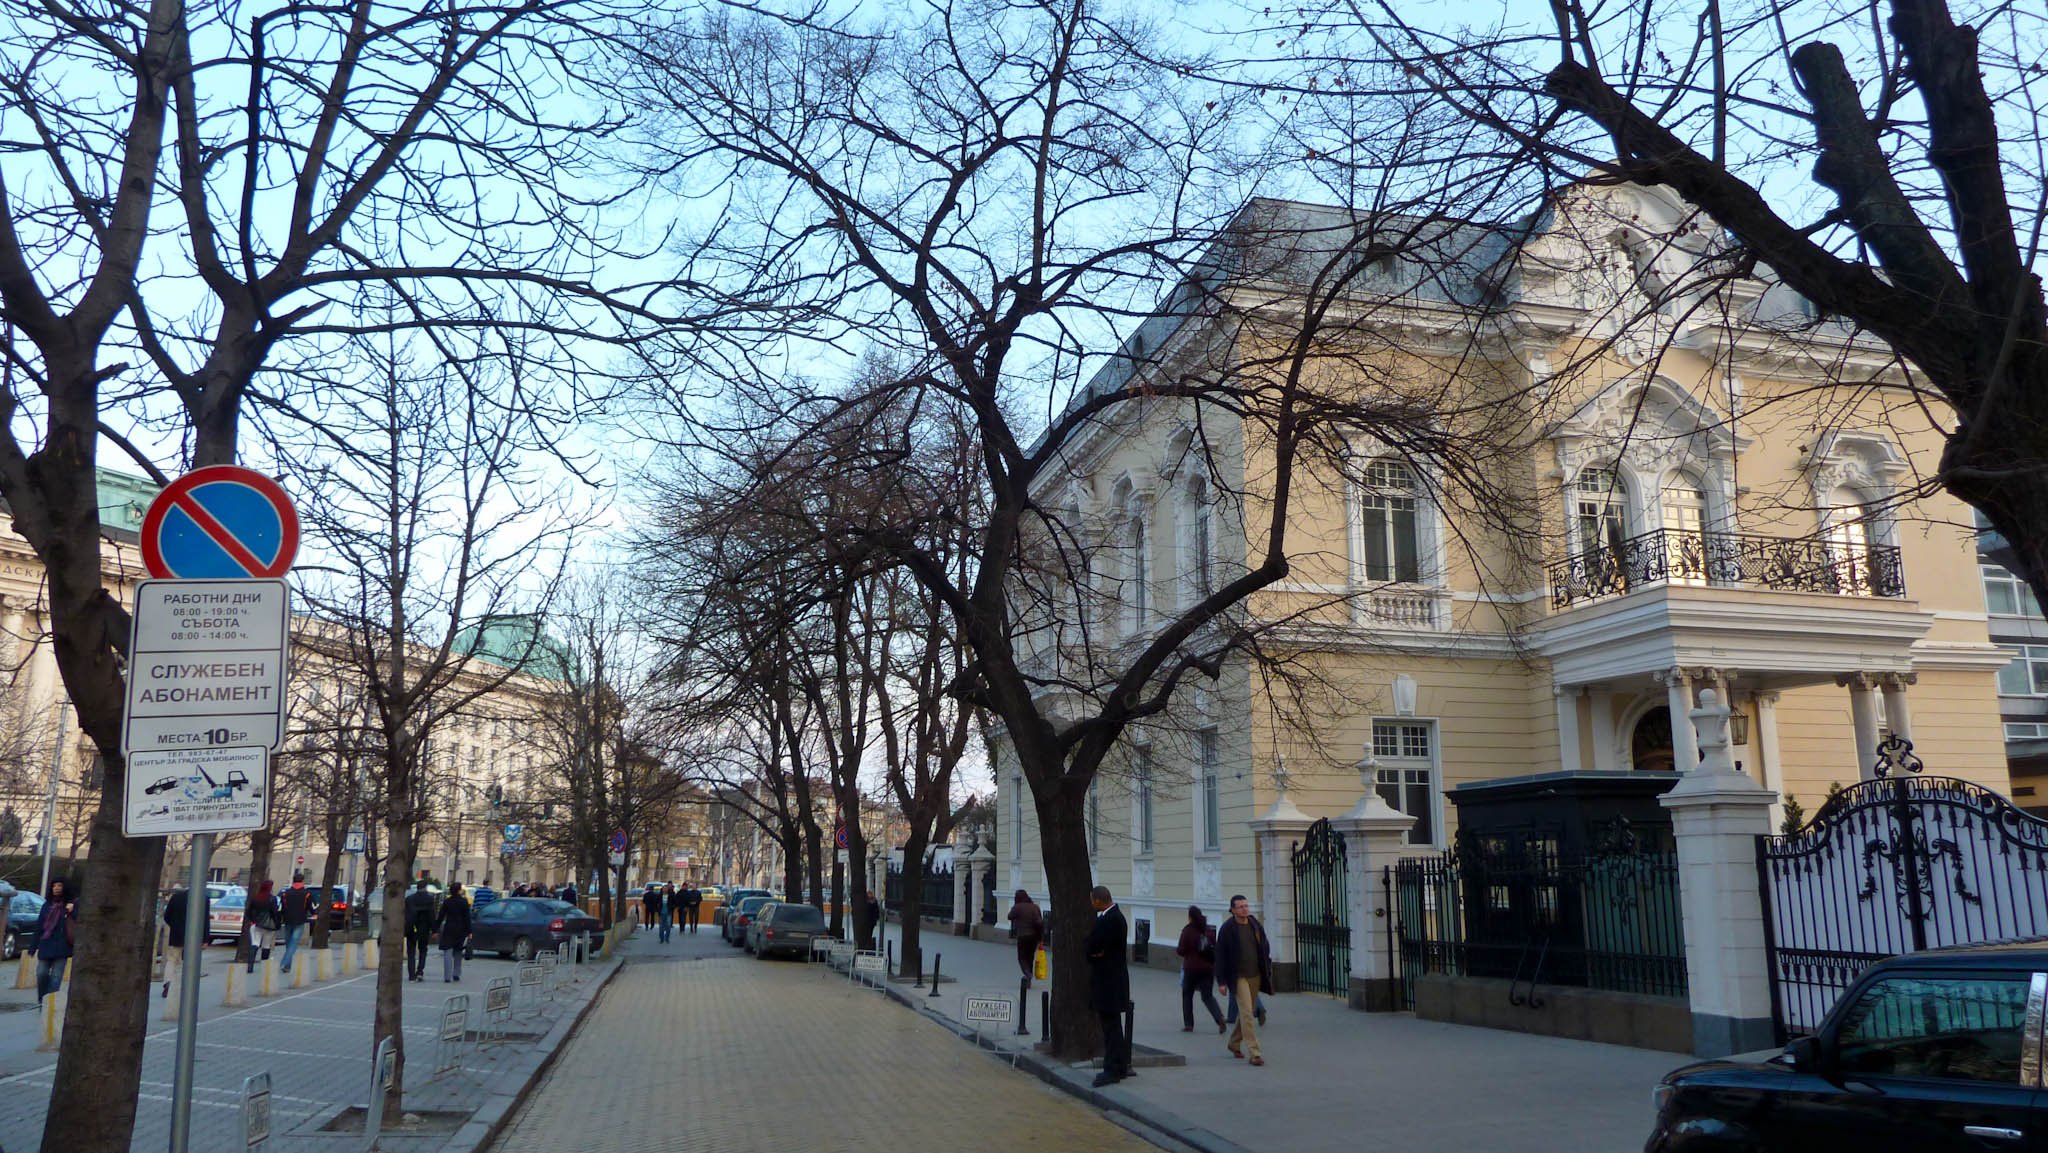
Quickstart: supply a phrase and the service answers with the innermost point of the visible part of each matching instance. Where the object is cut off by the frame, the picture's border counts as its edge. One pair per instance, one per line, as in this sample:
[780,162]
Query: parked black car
[1935,1052]
[783,927]
[23,915]
[735,926]
[519,927]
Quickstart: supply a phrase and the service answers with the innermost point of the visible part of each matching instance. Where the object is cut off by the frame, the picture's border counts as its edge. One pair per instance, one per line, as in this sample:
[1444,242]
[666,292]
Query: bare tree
[272,160]
[420,486]
[1921,137]
[1046,230]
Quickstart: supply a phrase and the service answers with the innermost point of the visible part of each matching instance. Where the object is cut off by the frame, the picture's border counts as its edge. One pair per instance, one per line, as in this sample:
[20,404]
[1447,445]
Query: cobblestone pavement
[314,1042]
[700,1047]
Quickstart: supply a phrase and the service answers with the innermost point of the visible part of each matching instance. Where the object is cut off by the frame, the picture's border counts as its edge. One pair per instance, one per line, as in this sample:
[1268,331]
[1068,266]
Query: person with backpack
[295,910]
[264,921]
[1197,951]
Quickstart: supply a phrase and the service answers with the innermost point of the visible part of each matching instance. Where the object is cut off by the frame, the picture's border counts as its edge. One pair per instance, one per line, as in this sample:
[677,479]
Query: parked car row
[519,927]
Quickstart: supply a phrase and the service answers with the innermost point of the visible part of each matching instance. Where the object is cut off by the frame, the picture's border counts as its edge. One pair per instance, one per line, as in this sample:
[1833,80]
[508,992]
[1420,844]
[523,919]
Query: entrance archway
[1650,745]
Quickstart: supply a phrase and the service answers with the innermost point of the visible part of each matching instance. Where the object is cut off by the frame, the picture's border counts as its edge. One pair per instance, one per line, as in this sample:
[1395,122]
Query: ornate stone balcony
[1811,564]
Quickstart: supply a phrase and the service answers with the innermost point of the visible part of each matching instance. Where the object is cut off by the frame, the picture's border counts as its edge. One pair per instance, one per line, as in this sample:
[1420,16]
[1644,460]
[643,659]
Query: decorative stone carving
[1141,878]
[1208,878]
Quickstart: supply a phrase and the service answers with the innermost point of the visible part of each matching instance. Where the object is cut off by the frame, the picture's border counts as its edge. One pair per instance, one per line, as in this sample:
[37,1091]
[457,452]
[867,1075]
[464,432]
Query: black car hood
[1760,1061]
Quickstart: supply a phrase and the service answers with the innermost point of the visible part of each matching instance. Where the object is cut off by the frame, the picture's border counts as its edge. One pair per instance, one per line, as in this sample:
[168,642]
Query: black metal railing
[1811,564]
[1522,911]
[935,892]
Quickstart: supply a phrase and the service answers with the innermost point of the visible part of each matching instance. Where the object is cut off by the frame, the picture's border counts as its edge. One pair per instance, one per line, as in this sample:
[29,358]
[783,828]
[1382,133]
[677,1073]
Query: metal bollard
[1023,1007]
[1130,1027]
[888,960]
[920,970]
[26,978]
[1045,1013]
[937,959]
[234,995]
[269,976]
[51,1013]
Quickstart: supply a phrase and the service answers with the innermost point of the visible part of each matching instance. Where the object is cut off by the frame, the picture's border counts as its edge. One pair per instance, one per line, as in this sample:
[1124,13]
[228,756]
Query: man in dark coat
[419,930]
[1244,969]
[454,925]
[693,903]
[1109,983]
[176,910]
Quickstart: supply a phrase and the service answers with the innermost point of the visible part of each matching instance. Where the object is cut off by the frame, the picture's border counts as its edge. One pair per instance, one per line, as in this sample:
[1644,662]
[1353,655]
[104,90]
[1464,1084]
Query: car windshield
[231,901]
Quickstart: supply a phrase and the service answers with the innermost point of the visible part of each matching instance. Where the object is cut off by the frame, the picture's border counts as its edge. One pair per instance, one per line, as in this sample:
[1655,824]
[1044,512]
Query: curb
[489,1119]
[1162,1128]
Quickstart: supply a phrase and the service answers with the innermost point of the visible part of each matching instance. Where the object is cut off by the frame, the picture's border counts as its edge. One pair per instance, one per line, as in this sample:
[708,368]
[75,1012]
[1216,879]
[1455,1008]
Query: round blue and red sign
[220,522]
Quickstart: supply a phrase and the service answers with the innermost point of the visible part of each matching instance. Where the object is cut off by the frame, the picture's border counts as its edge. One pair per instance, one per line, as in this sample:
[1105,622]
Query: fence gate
[1894,865]
[1322,949]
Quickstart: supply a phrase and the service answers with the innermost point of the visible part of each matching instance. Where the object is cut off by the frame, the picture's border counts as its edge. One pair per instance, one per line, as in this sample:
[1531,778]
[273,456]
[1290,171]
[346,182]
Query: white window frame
[2032,661]
[1016,816]
[2022,593]
[1209,791]
[1403,767]
[1615,500]
[1198,545]
[1365,494]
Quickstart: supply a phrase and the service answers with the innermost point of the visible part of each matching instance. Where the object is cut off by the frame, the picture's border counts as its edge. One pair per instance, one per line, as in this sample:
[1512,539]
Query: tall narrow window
[1685,527]
[1599,510]
[1138,591]
[1211,799]
[1201,541]
[1141,830]
[1406,754]
[1094,818]
[1390,545]
[1016,816]
[1848,532]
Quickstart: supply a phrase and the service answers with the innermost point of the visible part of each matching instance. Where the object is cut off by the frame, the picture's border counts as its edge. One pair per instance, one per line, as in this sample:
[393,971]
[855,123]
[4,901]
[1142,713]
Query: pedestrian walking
[693,905]
[1244,967]
[875,914]
[1197,950]
[1109,983]
[176,912]
[264,921]
[419,929]
[1027,926]
[665,901]
[650,906]
[55,937]
[454,923]
[295,908]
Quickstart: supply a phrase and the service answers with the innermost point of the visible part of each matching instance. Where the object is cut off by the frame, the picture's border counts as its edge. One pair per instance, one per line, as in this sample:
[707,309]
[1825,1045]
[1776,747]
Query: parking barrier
[346,963]
[497,1010]
[453,1034]
[53,1012]
[269,985]
[321,972]
[25,977]
[301,974]
[530,978]
[549,982]
[234,995]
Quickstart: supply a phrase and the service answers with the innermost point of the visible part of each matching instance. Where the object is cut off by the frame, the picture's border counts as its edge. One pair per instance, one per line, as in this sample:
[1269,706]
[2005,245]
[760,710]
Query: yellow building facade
[1684,490]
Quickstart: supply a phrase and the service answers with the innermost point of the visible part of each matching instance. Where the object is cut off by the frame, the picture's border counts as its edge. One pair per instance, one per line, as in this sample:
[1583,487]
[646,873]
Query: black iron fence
[1519,909]
[988,896]
[935,892]
[1675,556]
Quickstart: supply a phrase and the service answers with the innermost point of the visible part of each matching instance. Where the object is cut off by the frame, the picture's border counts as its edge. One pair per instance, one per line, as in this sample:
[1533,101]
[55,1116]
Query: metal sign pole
[188,1006]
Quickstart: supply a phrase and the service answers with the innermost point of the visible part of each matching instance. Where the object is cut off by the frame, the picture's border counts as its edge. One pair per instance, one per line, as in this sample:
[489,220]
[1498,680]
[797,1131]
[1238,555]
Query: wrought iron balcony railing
[1670,556]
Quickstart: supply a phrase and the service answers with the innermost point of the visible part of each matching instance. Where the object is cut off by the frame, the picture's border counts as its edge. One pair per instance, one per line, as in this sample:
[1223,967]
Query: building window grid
[1407,773]
[2027,675]
[2008,595]
[1389,534]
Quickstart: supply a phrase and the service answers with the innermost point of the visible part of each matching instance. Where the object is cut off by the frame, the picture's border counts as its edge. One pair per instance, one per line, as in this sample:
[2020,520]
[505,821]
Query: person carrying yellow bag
[1027,928]
[1041,968]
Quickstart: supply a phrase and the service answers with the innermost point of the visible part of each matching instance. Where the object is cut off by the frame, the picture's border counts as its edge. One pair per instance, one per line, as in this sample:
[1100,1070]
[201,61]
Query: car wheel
[9,948]
[522,949]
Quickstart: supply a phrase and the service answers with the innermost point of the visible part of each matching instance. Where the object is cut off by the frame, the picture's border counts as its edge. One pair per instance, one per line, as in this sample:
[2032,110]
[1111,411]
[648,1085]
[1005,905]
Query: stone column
[1603,702]
[1898,715]
[1863,715]
[1276,833]
[1685,748]
[1373,835]
[1716,816]
[1770,772]
[1571,757]
[960,906]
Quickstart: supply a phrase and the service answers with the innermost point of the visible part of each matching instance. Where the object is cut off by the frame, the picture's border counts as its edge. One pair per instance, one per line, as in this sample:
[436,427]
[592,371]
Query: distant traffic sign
[206,665]
[353,842]
[618,840]
[220,522]
[196,791]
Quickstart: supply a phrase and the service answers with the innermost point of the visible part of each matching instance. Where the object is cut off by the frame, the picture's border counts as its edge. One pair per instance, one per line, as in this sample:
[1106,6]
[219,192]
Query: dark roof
[2025,952]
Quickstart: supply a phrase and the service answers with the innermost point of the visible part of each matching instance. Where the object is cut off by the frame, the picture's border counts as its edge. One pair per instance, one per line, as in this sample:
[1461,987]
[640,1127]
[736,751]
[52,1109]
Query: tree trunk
[837,893]
[390,1014]
[912,905]
[99,1061]
[1063,840]
[330,876]
[261,843]
[814,858]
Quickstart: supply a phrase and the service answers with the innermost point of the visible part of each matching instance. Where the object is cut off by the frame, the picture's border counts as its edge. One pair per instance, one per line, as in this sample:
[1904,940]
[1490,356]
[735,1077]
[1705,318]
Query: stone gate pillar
[1716,816]
[980,863]
[1276,832]
[1374,833]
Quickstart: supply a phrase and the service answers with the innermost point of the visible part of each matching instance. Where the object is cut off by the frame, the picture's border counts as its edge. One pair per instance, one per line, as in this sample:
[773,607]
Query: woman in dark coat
[454,925]
[54,939]
[1197,951]
[1027,925]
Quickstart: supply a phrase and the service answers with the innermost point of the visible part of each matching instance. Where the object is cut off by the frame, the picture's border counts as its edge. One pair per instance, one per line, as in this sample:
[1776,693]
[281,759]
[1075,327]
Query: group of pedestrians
[428,917]
[668,907]
[1235,959]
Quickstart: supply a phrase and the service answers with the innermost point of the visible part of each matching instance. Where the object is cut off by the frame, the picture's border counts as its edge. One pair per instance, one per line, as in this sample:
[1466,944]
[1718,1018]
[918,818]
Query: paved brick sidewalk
[699,1047]
[314,1042]
[1336,1080]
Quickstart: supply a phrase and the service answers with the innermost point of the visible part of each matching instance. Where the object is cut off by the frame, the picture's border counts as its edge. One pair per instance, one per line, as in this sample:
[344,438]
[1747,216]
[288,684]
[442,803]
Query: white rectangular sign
[206,664]
[993,1010]
[196,791]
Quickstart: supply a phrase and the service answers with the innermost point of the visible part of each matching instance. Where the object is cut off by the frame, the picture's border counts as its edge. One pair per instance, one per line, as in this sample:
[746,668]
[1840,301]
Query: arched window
[1390,542]
[1683,504]
[1599,510]
[1137,568]
[1199,567]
